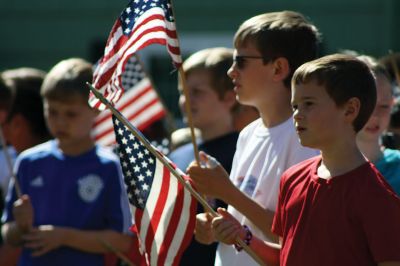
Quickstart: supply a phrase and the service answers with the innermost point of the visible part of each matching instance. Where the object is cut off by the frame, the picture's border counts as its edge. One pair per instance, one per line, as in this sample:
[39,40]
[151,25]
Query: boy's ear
[281,68]
[352,108]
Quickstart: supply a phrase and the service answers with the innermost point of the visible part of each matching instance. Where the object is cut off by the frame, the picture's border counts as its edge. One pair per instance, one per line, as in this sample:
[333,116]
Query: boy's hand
[203,230]
[212,181]
[226,228]
[23,213]
[44,239]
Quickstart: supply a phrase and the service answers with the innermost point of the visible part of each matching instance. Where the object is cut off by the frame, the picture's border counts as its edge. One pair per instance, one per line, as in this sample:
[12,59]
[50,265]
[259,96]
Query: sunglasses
[240,60]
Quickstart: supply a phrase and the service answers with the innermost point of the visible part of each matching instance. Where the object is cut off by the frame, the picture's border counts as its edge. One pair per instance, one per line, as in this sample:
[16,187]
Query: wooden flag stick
[168,164]
[118,253]
[189,116]
[188,109]
[9,164]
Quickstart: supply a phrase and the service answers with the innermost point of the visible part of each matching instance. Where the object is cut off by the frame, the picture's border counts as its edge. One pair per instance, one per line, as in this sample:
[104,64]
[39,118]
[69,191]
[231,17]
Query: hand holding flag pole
[168,165]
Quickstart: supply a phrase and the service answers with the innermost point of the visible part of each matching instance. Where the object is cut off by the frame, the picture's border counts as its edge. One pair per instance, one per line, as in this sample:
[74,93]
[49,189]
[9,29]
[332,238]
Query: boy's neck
[275,107]
[275,115]
[371,150]
[76,148]
[340,159]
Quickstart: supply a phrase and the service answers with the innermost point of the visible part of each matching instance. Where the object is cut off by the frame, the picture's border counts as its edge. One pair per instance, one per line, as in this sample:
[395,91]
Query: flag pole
[167,164]
[118,253]
[188,108]
[9,163]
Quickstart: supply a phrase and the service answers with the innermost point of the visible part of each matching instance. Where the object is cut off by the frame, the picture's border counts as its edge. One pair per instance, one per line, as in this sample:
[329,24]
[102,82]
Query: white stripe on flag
[151,204]
[165,217]
[179,235]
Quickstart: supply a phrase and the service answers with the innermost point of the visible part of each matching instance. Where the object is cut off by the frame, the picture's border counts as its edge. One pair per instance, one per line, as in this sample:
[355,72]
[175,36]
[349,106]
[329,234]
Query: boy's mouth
[300,129]
[372,129]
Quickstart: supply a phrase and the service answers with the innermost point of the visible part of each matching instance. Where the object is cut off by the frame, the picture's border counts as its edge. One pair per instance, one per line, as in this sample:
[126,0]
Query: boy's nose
[297,115]
[232,71]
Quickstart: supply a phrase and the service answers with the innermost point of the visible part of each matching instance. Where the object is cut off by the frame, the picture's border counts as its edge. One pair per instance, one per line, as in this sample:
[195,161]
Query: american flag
[140,104]
[163,210]
[143,22]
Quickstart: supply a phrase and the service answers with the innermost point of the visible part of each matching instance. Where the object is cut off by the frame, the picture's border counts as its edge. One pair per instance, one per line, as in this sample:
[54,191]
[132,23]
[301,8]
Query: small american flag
[140,104]
[163,210]
[143,22]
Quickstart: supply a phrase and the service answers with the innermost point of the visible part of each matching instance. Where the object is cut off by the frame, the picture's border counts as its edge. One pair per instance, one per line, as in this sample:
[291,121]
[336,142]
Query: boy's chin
[307,144]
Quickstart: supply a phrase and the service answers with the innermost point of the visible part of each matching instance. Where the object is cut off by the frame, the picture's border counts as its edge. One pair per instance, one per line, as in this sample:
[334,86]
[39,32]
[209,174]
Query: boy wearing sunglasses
[268,49]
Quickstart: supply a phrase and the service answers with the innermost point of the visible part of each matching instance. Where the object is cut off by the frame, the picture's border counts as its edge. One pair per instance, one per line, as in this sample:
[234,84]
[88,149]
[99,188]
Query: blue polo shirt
[85,192]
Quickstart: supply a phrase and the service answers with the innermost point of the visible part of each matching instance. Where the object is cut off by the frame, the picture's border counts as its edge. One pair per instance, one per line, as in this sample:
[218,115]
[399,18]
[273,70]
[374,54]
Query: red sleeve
[381,220]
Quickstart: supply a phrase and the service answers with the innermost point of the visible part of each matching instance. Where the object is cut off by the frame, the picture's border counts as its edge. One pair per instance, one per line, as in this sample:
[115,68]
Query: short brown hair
[5,95]
[216,61]
[281,34]
[67,79]
[343,77]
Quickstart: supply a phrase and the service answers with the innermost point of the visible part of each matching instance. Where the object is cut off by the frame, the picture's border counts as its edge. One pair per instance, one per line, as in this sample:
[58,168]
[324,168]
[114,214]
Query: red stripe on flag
[122,107]
[158,210]
[123,39]
[150,121]
[173,224]
[138,219]
[118,44]
[140,126]
[188,233]
[173,49]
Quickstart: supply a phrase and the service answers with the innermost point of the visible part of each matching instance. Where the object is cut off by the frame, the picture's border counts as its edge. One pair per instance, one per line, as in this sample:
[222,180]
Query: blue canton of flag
[138,166]
[137,8]
[133,73]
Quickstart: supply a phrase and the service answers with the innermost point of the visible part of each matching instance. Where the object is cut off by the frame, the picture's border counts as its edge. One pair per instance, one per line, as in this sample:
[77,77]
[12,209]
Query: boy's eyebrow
[307,98]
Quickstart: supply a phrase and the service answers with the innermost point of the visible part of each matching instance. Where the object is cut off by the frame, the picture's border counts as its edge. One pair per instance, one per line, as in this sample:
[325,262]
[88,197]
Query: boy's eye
[239,60]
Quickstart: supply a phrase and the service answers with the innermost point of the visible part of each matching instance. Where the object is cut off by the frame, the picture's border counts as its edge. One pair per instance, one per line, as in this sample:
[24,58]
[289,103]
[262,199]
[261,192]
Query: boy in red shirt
[336,208]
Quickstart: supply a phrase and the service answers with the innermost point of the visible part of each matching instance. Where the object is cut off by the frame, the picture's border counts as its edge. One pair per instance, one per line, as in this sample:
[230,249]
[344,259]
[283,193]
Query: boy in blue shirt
[74,200]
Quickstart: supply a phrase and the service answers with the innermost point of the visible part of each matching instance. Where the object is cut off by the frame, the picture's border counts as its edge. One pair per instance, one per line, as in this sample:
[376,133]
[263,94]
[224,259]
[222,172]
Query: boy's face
[206,106]
[250,75]
[380,118]
[69,121]
[318,120]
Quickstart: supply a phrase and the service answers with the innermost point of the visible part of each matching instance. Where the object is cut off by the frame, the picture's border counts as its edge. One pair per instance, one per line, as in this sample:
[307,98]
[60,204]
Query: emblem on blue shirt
[89,187]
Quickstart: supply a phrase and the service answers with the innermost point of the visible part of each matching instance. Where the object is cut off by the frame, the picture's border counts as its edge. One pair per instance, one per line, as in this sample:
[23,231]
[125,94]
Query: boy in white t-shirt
[268,49]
